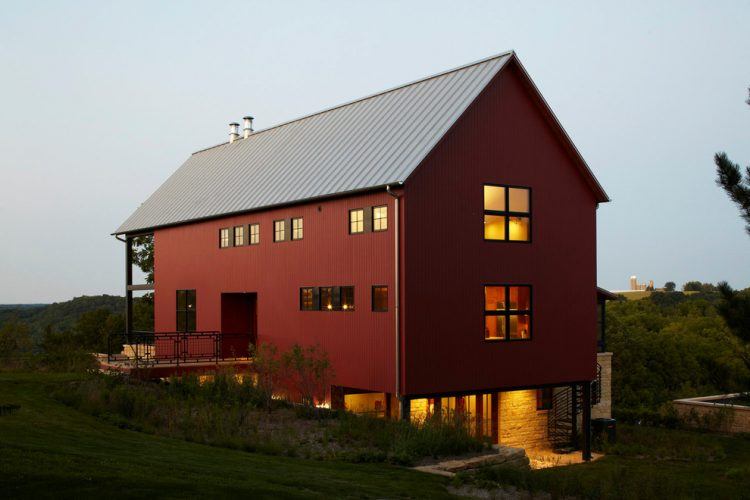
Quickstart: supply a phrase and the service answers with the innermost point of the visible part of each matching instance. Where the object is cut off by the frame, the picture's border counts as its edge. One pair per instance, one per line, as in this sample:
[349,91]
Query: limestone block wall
[521,424]
[705,413]
[604,408]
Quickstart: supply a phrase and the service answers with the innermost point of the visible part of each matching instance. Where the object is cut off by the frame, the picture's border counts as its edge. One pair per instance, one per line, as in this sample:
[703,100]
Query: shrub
[308,373]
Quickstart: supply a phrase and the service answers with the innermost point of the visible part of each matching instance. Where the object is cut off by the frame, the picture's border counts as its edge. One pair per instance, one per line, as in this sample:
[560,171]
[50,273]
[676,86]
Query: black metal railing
[566,405]
[174,348]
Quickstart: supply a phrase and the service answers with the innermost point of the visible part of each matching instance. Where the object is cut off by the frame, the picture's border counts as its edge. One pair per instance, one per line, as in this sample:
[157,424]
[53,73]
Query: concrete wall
[521,424]
[604,408]
[702,412]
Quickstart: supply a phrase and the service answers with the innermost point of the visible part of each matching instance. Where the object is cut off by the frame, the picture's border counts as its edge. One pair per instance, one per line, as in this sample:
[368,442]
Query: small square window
[507,312]
[356,221]
[380,298]
[254,234]
[239,236]
[297,228]
[279,230]
[380,218]
[507,213]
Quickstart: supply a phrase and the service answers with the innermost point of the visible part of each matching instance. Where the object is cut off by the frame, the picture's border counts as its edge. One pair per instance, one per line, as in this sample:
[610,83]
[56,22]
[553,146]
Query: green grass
[50,450]
[645,463]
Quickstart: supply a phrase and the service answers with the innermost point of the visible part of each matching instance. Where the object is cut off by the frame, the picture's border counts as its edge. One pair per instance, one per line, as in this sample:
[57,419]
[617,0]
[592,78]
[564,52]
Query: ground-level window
[380,298]
[297,228]
[224,237]
[544,398]
[254,234]
[347,298]
[327,298]
[507,312]
[279,230]
[357,221]
[239,236]
[185,310]
[380,218]
[307,299]
[507,213]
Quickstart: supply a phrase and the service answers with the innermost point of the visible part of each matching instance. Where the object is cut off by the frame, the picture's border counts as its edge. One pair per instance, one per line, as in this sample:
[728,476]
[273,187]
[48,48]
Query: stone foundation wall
[604,408]
[521,424]
[701,412]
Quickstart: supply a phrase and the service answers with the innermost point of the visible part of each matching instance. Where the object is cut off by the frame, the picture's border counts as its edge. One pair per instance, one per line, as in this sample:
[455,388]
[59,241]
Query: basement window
[380,298]
[507,312]
[224,237]
[507,213]
[380,218]
[297,228]
[239,236]
[279,230]
[356,221]
[186,310]
[254,234]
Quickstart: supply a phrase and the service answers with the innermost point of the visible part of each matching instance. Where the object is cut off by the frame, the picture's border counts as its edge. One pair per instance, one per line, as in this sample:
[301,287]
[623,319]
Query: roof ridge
[370,96]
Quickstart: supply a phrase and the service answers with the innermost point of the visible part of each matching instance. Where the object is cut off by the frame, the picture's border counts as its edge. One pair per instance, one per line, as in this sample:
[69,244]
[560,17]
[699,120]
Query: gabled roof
[365,144]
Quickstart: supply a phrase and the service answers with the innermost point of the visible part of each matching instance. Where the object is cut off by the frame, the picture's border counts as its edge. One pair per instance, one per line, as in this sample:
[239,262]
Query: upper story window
[356,221]
[297,229]
[279,230]
[507,312]
[186,310]
[224,240]
[380,298]
[380,218]
[507,213]
[254,234]
[239,236]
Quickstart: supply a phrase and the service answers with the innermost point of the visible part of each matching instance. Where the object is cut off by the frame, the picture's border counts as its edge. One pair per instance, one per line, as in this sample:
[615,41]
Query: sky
[101,101]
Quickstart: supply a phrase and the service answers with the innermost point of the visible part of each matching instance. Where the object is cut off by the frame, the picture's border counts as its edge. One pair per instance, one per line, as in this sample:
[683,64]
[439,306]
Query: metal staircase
[563,416]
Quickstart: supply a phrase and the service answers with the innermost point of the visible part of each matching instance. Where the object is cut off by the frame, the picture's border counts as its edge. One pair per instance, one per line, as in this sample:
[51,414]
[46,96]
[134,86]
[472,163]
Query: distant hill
[60,315]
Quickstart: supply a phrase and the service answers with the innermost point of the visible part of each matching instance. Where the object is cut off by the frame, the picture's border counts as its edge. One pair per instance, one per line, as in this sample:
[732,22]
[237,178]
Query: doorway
[238,324]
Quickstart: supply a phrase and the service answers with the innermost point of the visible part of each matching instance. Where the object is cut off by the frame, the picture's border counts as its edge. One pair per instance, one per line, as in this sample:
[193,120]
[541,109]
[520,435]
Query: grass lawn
[50,450]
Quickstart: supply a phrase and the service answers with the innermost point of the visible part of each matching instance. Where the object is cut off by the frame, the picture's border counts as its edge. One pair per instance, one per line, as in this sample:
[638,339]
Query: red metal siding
[503,138]
[360,343]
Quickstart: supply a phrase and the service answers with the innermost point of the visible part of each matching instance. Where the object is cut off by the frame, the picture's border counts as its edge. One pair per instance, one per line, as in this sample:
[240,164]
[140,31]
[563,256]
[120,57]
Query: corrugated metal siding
[368,143]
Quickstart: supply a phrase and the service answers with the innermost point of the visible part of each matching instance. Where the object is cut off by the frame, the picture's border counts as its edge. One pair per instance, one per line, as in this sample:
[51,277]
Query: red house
[438,240]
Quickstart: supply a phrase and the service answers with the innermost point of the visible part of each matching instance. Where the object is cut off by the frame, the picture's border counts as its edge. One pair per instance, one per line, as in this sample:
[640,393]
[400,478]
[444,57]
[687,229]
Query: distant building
[635,286]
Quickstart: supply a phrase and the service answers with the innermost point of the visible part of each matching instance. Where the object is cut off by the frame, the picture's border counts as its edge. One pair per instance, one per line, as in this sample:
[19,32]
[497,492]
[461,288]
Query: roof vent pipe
[234,132]
[248,128]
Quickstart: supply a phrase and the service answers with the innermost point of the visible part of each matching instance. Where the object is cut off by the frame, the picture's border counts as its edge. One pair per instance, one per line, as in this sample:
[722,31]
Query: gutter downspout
[397,297]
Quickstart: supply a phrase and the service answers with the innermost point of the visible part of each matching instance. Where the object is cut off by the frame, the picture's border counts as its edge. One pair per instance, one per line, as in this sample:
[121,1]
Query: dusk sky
[100,102]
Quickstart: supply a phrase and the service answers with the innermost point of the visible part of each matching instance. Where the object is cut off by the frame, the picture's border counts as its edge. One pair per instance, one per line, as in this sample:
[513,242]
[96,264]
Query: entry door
[238,320]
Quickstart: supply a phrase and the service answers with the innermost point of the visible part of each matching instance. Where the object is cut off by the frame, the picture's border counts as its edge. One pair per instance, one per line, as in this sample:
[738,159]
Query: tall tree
[730,178]
[735,309]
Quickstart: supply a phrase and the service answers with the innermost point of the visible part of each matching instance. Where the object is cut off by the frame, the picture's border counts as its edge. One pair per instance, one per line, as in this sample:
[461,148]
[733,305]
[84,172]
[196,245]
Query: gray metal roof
[375,141]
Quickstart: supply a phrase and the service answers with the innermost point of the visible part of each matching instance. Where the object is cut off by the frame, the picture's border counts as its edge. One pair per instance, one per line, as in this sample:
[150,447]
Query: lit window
[379,298]
[279,230]
[507,312]
[239,236]
[326,298]
[507,213]
[224,237]
[347,298]
[297,228]
[307,299]
[254,234]
[380,218]
[186,310]
[356,221]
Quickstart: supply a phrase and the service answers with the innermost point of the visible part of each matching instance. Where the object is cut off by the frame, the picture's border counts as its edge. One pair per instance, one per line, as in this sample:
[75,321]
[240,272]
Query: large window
[380,298]
[356,221]
[297,229]
[224,240]
[185,310]
[239,236]
[279,230]
[380,218]
[507,312]
[326,298]
[254,234]
[507,213]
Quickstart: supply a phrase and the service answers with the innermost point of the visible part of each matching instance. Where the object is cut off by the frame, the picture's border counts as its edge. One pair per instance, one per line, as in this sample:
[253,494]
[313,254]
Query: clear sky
[101,101]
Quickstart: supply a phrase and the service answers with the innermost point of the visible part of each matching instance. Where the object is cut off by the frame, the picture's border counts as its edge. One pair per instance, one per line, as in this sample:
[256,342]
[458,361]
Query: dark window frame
[375,309]
[301,228]
[186,311]
[250,233]
[283,230]
[234,236]
[230,235]
[381,218]
[507,213]
[508,312]
[341,299]
[349,220]
[312,299]
[544,397]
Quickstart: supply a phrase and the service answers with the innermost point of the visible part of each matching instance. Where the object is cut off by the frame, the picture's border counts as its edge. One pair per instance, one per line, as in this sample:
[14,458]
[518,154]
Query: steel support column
[586,423]
[128,284]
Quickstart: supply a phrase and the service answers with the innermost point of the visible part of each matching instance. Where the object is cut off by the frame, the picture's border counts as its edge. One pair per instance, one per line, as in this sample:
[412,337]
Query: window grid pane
[297,228]
[306,299]
[279,231]
[356,221]
[507,312]
[507,213]
[224,238]
[239,236]
[380,218]
[254,234]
